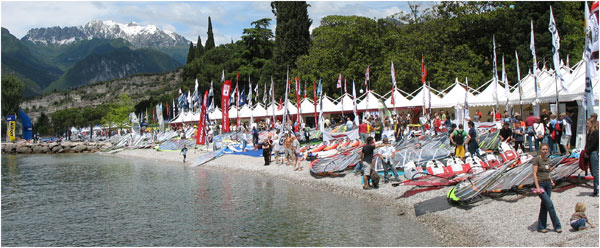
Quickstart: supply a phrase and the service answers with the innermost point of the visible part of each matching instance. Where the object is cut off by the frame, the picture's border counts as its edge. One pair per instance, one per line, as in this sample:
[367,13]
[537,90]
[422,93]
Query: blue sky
[189,19]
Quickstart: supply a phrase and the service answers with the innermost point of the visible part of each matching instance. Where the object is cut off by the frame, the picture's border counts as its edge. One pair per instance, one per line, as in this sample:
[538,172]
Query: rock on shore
[54,147]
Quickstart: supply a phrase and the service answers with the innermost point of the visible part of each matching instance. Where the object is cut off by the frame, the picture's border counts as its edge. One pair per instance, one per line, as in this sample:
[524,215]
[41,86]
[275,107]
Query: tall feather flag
[264,99]
[250,93]
[356,121]
[535,70]
[237,101]
[339,82]
[255,92]
[467,114]
[211,96]
[272,94]
[320,120]
[393,72]
[423,76]
[519,78]
[367,77]
[590,69]
[298,86]
[505,82]
[555,55]
[495,74]
[304,89]
[285,107]
[223,76]
[315,103]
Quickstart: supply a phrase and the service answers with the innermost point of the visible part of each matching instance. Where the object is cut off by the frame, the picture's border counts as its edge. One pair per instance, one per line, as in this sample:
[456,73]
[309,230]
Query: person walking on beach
[255,138]
[472,144]
[184,152]
[287,145]
[578,219]
[295,147]
[543,187]
[367,159]
[458,139]
[591,150]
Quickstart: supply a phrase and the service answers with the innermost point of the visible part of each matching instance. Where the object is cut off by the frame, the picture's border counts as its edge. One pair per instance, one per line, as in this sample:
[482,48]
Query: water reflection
[92,200]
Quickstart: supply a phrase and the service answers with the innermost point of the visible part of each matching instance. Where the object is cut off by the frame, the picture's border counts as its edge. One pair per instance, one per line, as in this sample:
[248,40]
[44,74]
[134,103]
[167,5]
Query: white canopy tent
[399,100]
[417,100]
[455,97]
[369,102]
[345,105]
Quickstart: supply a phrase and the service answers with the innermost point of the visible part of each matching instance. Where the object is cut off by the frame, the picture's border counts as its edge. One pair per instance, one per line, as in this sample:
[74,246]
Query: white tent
[259,110]
[399,101]
[348,105]
[417,100]
[307,106]
[486,97]
[369,102]
[216,115]
[455,97]
[328,105]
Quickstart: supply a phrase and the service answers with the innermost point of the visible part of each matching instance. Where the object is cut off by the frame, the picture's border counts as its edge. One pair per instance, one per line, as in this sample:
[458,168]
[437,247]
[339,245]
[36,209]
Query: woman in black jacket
[591,150]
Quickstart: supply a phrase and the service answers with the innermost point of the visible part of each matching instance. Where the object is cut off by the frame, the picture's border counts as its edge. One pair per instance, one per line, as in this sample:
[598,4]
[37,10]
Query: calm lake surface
[95,200]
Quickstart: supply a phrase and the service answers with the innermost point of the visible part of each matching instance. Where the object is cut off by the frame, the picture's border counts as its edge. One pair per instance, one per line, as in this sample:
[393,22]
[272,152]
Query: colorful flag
[211,95]
[237,101]
[225,105]
[285,107]
[393,72]
[590,69]
[505,82]
[201,131]
[264,99]
[255,91]
[315,103]
[339,82]
[356,121]
[272,94]
[519,77]
[535,73]
[423,76]
[555,46]
[495,73]
[297,81]
[467,114]
[250,93]
[367,77]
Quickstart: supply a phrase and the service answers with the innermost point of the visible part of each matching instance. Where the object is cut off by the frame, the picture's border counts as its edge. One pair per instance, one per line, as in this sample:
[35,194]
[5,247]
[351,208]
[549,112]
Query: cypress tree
[199,48]
[292,36]
[191,53]
[210,40]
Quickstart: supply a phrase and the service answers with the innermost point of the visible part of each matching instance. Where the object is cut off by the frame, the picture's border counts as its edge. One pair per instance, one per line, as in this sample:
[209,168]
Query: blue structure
[26,123]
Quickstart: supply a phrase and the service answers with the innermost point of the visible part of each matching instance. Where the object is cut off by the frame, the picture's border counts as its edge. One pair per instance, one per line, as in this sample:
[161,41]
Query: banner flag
[555,46]
[315,102]
[495,73]
[201,132]
[393,72]
[467,114]
[225,105]
[590,69]
[272,93]
[339,82]
[519,78]
[535,71]
[367,77]
[356,121]
[237,101]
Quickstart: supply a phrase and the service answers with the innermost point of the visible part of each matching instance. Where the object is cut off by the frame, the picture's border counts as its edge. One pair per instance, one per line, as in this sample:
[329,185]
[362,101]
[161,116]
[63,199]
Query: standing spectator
[519,134]
[288,148]
[296,153]
[367,159]
[243,138]
[307,134]
[378,130]
[458,139]
[540,132]
[529,121]
[363,131]
[565,139]
[478,116]
[437,124]
[386,154]
[472,143]
[349,124]
[451,130]
[545,117]
[255,137]
[553,135]
[506,133]
[591,150]
[497,116]
[266,146]
[543,185]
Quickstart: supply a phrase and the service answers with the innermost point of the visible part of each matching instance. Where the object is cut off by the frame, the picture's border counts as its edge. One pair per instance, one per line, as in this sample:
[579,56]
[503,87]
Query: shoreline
[505,221]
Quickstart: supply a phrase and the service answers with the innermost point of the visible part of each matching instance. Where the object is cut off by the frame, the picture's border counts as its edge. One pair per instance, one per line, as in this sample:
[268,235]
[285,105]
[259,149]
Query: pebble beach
[509,220]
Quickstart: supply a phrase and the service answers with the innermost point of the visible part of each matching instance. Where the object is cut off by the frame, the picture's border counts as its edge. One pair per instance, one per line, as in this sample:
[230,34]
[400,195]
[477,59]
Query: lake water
[95,200]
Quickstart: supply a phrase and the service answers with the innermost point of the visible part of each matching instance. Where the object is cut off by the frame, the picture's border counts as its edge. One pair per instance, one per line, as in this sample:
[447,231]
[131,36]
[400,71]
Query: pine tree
[199,48]
[210,40]
[191,53]
[292,36]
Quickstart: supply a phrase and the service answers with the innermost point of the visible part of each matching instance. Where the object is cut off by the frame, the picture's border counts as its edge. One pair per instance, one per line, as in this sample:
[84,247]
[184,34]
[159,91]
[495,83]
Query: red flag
[280,105]
[315,103]
[153,114]
[339,82]
[167,109]
[345,86]
[423,70]
[201,132]
[297,99]
[225,105]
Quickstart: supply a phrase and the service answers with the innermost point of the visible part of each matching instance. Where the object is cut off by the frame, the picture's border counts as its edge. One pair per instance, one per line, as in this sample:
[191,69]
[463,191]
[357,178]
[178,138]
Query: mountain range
[55,58]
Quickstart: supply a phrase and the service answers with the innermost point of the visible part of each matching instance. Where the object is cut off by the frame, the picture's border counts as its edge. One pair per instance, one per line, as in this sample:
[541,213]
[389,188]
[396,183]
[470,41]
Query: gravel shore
[510,220]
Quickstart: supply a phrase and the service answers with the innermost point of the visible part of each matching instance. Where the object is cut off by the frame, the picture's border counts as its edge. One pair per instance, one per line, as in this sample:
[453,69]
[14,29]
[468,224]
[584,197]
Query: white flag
[495,74]
[535,73]
[518,78]
[250,93]
[590,72]
[356,121]
[393,72]
[555,46]
[505,81]
[467,114]
[223,76]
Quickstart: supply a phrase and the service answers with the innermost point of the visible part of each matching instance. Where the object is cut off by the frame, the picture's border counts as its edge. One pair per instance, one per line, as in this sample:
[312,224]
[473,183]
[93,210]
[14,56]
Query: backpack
[558,126]
[459,138]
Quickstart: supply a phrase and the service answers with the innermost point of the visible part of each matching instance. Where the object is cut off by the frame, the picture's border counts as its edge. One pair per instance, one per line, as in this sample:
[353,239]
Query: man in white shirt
[565,139]
[386,154]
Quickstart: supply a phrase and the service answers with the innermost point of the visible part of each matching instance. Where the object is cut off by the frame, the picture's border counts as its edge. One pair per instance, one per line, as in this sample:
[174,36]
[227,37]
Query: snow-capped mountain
[138,36]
